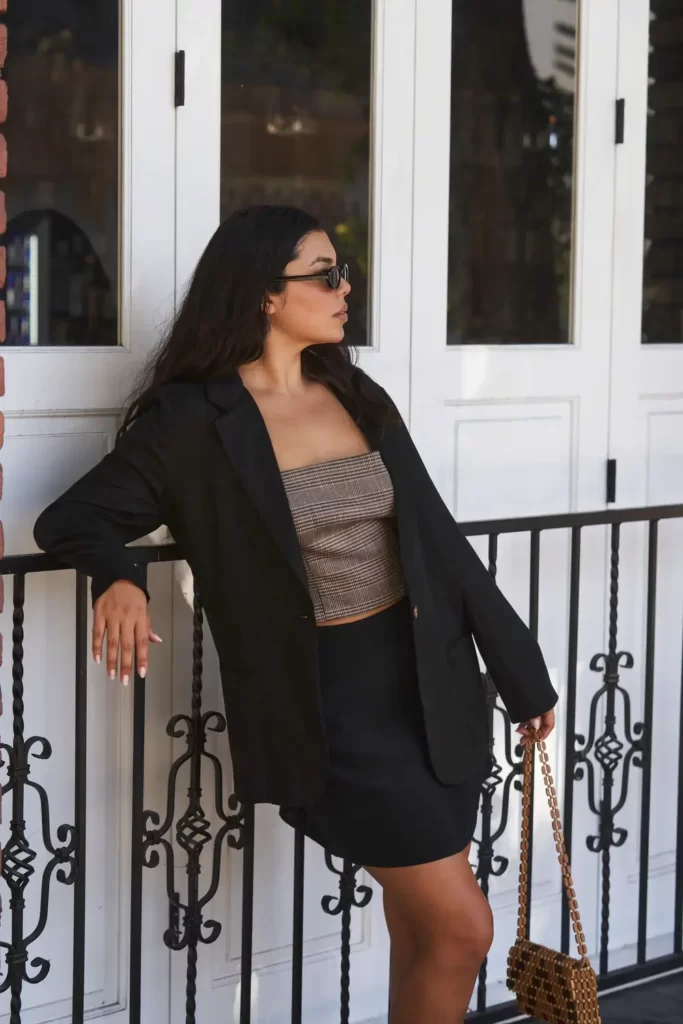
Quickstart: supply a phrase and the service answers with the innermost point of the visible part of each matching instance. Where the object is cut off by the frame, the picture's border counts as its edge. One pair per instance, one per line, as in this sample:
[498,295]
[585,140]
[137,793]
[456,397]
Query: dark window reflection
[663,268]
[296,120]
[62,185]
[512,128]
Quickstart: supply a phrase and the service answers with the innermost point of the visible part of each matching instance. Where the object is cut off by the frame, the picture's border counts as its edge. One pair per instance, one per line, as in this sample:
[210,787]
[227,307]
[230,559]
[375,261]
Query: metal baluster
[488,865]
[247,914]
[646,741]
[348,898]
[18,856]
[534,575]
[678,889]
[570,715]
[193,829]
[80,795]
[137,850]
[298,927]
[609,751]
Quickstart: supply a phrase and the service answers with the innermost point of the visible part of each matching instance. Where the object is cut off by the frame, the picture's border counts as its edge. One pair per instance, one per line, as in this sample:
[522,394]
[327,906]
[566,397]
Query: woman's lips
[342,315]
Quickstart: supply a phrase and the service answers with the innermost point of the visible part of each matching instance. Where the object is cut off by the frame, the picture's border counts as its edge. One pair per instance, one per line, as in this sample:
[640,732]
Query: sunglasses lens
[333,277]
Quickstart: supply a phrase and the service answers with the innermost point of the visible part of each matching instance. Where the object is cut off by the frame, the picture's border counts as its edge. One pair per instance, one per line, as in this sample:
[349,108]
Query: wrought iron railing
[603,757]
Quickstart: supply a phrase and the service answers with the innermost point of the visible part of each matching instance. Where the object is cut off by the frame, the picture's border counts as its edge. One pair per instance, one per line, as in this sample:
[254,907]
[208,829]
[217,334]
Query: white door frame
[61,407]
[514,430]
[387,358]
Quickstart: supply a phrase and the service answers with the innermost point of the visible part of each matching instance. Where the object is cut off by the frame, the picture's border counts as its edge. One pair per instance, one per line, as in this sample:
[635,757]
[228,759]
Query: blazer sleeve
[510,651]
[117,501]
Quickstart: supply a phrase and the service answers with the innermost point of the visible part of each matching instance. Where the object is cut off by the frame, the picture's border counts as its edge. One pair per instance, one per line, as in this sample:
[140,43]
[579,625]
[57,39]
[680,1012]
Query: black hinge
[179,91]
[619,122]
[611,480]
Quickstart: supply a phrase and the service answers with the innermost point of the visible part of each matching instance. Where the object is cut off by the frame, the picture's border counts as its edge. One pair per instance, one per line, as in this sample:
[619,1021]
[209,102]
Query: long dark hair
[222,324]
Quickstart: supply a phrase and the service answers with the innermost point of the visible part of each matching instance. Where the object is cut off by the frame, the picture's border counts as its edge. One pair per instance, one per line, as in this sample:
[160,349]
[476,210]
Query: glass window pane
[296,121]
[663,264]
[511,171]
[62,185]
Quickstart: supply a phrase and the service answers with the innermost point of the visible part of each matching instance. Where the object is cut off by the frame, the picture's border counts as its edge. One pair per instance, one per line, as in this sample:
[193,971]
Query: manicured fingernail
[112,673]
[143,672]
[157,638]
[125,680]
[98,659]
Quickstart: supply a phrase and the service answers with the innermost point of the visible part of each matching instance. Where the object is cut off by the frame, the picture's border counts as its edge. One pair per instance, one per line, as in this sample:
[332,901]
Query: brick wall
[3,268]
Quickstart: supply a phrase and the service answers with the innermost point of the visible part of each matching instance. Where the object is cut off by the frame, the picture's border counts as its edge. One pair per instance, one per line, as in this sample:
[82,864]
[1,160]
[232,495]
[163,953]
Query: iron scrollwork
[609,750]
[18,856]
[193,828]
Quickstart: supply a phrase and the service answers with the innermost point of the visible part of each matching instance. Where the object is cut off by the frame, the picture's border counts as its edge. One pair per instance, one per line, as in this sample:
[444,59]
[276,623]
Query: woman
[340,593]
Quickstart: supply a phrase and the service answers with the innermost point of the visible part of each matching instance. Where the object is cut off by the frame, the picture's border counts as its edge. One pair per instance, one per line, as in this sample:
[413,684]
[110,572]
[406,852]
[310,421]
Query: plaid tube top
[343,511]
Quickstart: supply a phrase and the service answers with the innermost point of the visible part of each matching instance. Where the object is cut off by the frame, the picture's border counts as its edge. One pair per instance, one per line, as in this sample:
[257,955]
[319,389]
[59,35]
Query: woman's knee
[461,935]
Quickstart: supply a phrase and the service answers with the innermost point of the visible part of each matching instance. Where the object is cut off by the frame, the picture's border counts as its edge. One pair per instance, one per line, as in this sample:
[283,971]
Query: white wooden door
[511,317]
[91,244]
[268,117]
[646,421]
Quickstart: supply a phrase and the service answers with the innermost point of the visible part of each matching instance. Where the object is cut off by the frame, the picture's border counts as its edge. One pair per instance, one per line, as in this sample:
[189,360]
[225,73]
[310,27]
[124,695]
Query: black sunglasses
[334,276]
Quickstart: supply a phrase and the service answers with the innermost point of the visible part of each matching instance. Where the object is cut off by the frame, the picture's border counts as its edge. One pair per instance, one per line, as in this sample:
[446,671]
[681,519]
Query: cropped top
[343,511]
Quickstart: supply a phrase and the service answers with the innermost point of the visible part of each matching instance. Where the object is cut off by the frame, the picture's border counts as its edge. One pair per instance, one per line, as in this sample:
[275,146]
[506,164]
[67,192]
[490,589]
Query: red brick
[3,158]
[3,211]
[3,326]
[3,266]
[4,99]
[3,43]
[3,5]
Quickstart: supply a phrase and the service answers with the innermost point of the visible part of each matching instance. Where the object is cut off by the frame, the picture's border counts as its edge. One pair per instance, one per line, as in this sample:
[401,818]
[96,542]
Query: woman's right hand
[121,612]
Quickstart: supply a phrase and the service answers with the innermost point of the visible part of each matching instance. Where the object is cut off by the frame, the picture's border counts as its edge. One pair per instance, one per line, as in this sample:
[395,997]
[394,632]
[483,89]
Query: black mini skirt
[383,805]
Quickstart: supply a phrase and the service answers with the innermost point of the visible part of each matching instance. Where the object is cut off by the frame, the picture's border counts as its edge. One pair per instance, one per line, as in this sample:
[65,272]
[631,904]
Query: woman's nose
[344,287]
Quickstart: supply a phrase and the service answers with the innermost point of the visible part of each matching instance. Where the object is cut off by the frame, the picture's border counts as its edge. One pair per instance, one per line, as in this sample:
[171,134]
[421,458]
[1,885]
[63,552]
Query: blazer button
[414,611]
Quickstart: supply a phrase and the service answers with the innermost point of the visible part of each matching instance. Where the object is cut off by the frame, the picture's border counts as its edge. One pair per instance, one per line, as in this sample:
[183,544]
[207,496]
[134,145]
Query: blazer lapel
[245,438]
[389,442]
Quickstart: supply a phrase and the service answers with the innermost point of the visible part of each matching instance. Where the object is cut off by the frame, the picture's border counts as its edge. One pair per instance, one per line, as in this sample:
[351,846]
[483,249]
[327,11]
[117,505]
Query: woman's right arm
[117,501]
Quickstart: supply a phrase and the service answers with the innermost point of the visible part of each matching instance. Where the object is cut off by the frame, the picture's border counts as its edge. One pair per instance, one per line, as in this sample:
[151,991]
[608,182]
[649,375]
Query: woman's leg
[402,943]
[441,907]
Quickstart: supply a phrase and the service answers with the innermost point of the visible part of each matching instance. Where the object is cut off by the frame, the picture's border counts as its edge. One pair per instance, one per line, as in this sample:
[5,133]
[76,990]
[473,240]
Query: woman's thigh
[440,903]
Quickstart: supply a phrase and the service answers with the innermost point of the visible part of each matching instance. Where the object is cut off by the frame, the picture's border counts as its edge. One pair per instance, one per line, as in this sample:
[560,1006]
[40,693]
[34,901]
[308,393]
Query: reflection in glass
[62,185]
[663,266]
[296,121]
[511,172]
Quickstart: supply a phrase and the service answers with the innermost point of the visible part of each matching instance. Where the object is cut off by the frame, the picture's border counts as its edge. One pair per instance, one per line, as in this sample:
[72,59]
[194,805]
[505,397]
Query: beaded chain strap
[549,985]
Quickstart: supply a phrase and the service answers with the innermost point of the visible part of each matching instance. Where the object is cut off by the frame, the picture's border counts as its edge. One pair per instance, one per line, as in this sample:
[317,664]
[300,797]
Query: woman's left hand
[543,725]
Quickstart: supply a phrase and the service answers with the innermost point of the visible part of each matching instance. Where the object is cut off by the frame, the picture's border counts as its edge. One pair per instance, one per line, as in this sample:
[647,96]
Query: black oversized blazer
[200,461]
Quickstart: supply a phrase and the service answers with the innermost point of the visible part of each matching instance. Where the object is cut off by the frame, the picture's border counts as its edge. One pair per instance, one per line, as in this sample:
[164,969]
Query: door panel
[510,356]
[107,171]
[646,414]
[327,126]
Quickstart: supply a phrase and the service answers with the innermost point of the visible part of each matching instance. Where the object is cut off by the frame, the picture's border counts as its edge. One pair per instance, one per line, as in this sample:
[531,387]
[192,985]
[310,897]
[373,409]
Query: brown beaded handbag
[549,985]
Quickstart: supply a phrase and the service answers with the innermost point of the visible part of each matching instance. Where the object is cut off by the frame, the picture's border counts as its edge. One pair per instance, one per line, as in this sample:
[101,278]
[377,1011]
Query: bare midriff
[357,618]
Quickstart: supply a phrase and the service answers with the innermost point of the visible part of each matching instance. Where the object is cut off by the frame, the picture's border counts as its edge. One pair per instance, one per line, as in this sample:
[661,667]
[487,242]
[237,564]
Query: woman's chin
[331,340]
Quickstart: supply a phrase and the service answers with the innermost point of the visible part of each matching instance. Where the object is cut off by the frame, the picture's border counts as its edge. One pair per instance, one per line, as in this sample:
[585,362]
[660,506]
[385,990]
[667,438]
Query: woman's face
[310,311]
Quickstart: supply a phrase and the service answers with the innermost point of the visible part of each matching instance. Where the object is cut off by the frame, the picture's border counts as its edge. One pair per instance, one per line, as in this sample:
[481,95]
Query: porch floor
[656,1002]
